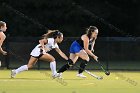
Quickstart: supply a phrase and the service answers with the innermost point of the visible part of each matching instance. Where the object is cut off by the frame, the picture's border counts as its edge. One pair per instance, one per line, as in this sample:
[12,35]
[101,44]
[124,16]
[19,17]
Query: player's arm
[43,42]
[92,46]
[2,38]
[61,53]
[86,44]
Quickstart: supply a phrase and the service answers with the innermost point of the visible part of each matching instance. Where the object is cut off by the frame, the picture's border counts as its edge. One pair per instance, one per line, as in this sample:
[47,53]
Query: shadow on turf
[21,78]
[59,80]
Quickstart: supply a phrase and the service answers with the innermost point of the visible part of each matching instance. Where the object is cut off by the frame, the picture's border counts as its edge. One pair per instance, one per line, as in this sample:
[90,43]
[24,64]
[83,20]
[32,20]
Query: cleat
[60,75]
[57,75]
[13,73]
[81,75]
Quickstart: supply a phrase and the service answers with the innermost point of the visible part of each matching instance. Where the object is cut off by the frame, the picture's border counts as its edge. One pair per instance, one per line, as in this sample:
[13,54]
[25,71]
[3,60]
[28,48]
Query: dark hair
[52,34]
[90,30]
[2,23]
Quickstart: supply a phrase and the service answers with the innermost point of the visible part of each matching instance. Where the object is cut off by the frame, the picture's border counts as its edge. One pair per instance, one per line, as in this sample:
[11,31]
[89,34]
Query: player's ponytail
[90,30]
[52,34]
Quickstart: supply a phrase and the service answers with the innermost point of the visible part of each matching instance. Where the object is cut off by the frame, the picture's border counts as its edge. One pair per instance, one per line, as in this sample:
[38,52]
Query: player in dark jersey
[2,36]
[80,48]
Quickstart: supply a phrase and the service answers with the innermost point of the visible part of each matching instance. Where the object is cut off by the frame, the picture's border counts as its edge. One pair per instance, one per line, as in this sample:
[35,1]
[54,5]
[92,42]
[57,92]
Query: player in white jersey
[40,52]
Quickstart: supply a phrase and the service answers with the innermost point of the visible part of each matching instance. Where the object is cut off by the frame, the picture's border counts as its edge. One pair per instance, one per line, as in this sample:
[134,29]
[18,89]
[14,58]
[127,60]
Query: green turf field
[37,81]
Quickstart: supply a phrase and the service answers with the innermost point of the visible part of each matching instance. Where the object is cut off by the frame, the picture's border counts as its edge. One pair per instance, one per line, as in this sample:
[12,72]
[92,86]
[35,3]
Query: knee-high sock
[53,67]
[63,68]
[82,67]
[21,69]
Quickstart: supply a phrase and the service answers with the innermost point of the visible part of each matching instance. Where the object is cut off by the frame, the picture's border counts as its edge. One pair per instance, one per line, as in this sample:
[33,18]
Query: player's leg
[74,57]
[65,67]
[82,54]
[30,64]
[74,49]
[51,59]
[71,61]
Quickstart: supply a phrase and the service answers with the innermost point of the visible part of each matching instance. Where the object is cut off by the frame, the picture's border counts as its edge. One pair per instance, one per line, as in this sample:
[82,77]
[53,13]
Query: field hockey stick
[99,63]
[91,74]
[105,71]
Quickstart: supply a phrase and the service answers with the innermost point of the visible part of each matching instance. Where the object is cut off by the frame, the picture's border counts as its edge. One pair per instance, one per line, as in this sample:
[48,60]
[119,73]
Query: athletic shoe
[81,75]
[56,75]
[13,73]
[60,75]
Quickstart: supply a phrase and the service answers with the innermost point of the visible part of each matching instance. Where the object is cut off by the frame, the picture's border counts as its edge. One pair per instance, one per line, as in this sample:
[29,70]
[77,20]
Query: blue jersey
[78,45]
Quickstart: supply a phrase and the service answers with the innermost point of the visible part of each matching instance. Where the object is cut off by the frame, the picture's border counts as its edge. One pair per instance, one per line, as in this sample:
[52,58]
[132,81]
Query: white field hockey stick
[91,74]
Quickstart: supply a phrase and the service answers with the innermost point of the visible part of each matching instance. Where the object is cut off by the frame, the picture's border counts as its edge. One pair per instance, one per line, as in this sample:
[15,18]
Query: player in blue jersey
[80,48]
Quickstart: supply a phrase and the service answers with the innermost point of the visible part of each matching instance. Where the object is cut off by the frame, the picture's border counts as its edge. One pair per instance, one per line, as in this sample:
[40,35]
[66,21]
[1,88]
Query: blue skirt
[75,47]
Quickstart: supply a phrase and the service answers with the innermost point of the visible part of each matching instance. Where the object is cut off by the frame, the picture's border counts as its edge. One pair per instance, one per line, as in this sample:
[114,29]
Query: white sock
[53,67]
[22,68]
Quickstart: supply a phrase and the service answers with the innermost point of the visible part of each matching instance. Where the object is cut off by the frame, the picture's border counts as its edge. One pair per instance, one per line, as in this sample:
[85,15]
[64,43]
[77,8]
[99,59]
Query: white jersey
[51,44]
[36,52]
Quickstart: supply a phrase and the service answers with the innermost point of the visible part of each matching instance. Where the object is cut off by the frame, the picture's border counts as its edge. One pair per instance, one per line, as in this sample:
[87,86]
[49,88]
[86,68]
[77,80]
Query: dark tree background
[33,17]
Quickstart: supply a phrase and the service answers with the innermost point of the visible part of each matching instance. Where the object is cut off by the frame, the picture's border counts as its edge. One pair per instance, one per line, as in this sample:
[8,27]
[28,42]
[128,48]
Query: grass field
[39,81]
